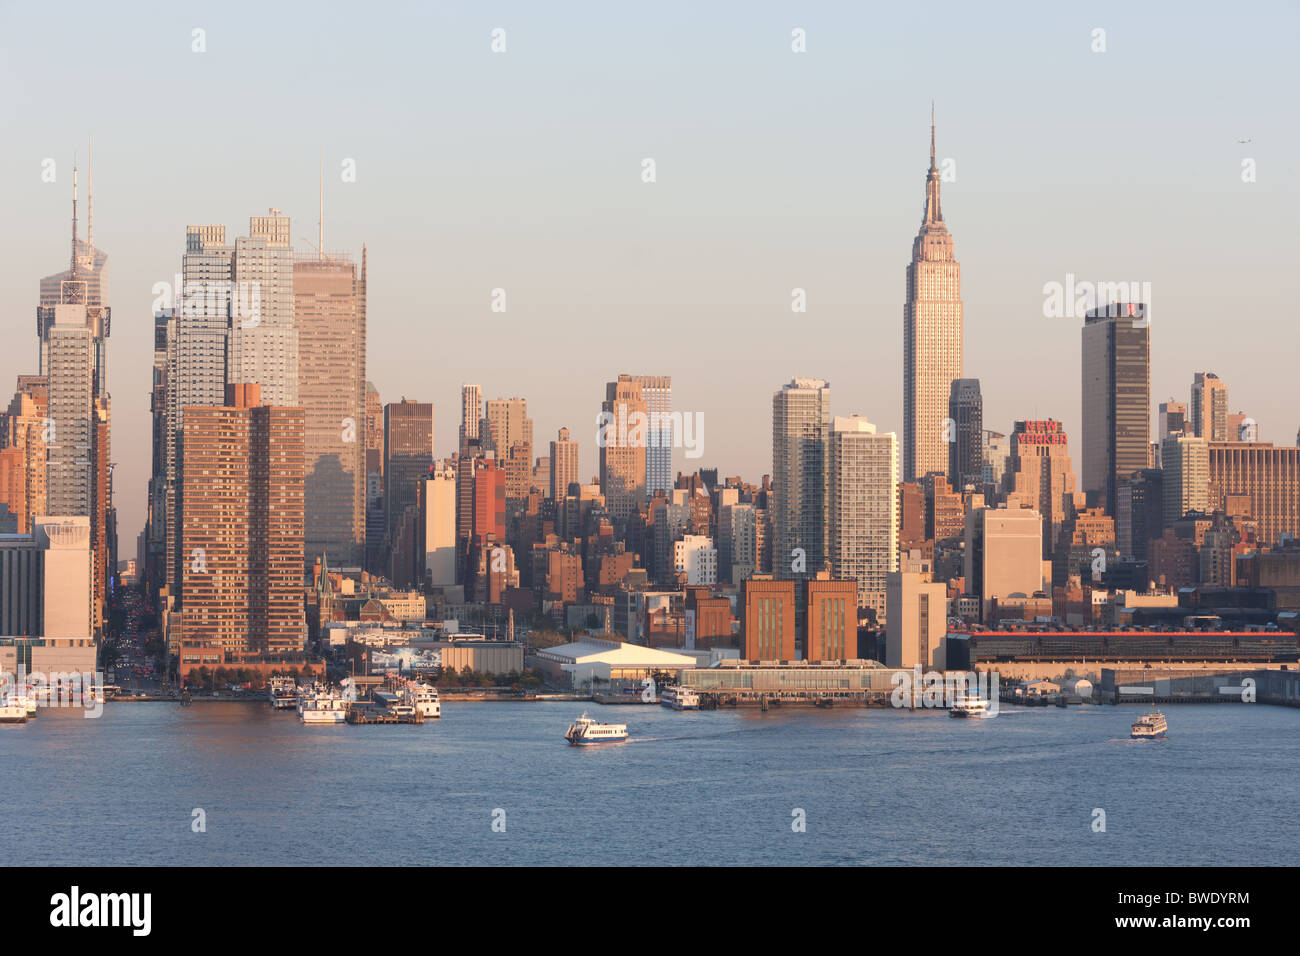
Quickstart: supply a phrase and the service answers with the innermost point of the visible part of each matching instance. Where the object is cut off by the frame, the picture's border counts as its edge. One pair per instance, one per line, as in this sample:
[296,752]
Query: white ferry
[282,692]
[1150,726]
[321,706]
[423,698]
[679,698]
[969,706]
[12,712]
[584,730]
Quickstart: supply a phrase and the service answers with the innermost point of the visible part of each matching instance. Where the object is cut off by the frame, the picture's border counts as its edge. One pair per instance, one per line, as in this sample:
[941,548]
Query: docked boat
[423,699]
[679,698]
[584,730]
[322,707]
[12,712]
[282,692]
[969,706]
[1150,726]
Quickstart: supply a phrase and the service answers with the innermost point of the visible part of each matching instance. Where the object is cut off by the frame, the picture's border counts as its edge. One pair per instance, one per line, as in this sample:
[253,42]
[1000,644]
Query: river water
[496,784]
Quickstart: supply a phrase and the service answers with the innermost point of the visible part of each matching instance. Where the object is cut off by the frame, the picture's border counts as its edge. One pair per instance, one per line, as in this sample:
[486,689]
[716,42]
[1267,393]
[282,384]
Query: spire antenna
[932,134]
[320,223]
[90,199]
[74,215]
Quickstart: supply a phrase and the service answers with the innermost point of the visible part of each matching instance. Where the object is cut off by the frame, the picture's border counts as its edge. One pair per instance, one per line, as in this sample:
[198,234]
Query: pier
[364,715]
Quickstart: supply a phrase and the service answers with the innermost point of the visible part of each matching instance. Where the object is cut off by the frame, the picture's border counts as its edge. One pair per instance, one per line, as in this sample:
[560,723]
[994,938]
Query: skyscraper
[622,440]
[801,421]
[408,443]
[1116,399]
[241,507]
[1040,476]
[1173,415]
[564,464]
[471,410]
[1185,461]
[863,508]
[73,324]
[932,336]
[329,304]
[510,435]
[657,391]
[263,338]
[1208,408]
[966,438]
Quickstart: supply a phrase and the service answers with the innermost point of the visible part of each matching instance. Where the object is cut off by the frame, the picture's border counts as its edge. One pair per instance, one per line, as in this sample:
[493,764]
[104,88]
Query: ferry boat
[968,706]
[423,698]
[584,730]
[322,706]
[12,712]
[679,698]
[1150,726]
[282,692]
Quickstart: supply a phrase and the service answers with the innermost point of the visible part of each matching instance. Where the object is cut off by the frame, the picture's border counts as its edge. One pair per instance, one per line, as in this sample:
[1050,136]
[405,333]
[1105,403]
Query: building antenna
[932,134]
[320,223]
[90,201]
[74,214]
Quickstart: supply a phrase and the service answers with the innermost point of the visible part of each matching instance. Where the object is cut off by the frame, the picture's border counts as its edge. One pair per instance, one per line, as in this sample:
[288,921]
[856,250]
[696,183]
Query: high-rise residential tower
[863,508]
[1116,399]
[241,507]
[801,421]
[329,304]
[932,336]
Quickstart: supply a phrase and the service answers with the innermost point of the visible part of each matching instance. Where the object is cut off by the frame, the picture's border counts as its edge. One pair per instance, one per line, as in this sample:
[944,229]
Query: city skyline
[686,304]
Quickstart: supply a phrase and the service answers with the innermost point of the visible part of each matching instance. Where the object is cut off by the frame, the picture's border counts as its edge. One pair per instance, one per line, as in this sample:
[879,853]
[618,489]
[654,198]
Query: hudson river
[874,787]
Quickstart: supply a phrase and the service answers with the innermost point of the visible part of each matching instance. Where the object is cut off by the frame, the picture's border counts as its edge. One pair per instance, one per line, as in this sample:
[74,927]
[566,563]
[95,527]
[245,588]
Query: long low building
[968,650]
[571,665]
[794,677]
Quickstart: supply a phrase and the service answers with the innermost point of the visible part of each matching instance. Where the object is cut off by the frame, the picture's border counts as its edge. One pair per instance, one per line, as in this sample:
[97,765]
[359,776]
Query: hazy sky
[522,170]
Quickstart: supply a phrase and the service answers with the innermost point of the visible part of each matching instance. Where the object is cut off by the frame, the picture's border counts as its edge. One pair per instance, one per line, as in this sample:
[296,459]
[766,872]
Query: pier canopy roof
[607,660]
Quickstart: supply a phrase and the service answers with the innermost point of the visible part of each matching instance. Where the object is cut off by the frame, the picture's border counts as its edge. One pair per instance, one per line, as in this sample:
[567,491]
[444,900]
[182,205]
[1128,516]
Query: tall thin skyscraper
[622,441]
[408,443]
[863,508]
[330,322]
[1116,399]
[966,438]
[564,465]
[801,420]
[1209,408]
[471,410]
[932,336]
[73,324]
[657,392]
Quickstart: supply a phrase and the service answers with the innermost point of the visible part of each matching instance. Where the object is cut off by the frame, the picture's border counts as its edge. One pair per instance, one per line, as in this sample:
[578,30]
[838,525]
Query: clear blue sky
[775,170]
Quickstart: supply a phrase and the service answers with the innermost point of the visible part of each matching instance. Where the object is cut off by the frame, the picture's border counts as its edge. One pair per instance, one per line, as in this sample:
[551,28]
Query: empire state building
[931,337]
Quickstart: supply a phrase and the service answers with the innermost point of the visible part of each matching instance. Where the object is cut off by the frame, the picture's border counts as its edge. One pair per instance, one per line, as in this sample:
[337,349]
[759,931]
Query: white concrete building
[696,556]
